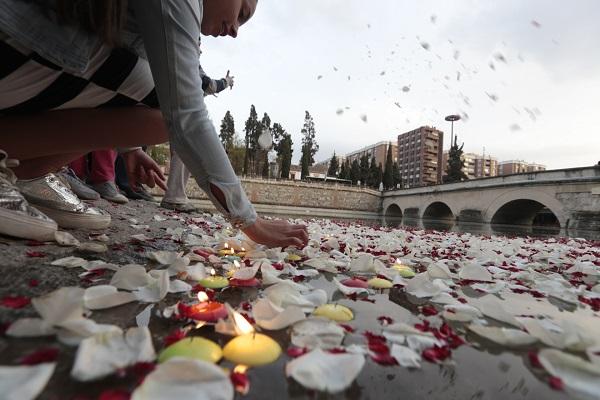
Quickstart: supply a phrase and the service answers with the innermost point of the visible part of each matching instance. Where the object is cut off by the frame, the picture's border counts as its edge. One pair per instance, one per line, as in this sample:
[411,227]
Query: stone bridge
[568,197]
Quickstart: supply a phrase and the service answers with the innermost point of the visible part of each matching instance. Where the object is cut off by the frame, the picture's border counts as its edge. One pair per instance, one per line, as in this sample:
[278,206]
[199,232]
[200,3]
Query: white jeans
[177,181]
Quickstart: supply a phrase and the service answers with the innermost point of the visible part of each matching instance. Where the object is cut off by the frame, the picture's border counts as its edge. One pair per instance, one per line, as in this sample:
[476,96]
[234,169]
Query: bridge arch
[520,207]
[392,214]
[438,210]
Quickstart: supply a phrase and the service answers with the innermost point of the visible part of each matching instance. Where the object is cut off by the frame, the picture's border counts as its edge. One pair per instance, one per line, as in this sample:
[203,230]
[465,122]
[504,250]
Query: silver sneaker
[108,190]
[55,199]
[19,219]
[79,187]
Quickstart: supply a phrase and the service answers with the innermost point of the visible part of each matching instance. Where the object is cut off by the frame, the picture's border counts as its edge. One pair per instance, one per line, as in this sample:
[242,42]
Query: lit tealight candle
[380,283]
[194,347]
[209,311]
[334,312]
[213,281]
[404,270]
[355,283]
[226,251]
[250,348]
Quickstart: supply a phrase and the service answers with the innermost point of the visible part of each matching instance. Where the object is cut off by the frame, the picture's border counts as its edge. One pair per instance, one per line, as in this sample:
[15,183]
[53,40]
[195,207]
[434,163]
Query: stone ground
[478,372]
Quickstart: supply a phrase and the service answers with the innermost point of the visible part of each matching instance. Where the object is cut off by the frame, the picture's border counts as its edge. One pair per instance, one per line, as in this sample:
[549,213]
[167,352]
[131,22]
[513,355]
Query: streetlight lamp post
[452,118]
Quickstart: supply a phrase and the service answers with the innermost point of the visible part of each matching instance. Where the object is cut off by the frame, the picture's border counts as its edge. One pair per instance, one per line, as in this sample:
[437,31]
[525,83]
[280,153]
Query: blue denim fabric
[167,34]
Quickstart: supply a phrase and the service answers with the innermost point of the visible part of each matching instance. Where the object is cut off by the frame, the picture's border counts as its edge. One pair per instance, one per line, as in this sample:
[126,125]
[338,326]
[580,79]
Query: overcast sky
[524,74]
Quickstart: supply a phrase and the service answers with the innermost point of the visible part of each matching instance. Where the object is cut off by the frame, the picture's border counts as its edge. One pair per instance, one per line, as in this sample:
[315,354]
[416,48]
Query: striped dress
[115,77]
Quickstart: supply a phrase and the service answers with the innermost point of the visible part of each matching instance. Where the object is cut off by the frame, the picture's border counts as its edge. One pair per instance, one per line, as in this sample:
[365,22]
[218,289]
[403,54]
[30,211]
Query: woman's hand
[277,233]
[141,168]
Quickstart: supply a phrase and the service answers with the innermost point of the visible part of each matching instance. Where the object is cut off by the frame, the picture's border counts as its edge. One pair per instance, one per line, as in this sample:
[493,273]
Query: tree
[283,145]
[227,131]
[309,145]
[373,178]
[396,175]
[333,166]
[388,174]
[364,169]
[250,139]
[355,172]
[343,171]
[455,163]
[262,166]
[236,154]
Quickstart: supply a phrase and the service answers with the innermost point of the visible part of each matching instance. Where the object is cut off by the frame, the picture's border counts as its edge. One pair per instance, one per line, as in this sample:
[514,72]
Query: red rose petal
[114,394]
[379,347]
[436,353]
[385,320]
[43,355]
[15,302]
[347,328]
[34,243]
[174,336]
[296,351]
[556,383]
[337,350]
[240,382]
[35,254]
[429,310]
[534,360]
[355,283]
[33,283]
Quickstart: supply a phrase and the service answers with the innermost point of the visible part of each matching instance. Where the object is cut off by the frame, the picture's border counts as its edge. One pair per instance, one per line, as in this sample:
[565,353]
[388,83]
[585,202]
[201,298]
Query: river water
[488,229]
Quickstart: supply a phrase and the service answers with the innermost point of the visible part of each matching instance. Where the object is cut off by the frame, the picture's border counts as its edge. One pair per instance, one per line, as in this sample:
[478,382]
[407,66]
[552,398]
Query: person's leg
[177,181]
[103,166]
[175,197]
[63,141]
[102,175]
[79,166]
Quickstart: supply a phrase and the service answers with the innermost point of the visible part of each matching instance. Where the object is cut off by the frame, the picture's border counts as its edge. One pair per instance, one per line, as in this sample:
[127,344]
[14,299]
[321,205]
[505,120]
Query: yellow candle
[252,349]
[293,257]
[405,270]
[213,281]
[334,312]
[195,347]
[379,283]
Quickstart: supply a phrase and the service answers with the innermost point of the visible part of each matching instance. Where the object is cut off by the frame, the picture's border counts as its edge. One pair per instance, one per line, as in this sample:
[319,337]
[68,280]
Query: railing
[581,174]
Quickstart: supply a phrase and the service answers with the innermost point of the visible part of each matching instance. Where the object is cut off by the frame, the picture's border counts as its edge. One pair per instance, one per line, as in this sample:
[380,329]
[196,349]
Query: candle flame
[240,369]
[232,251]
[240,324]
[213,272]
[243,249]
[226,246]
[236,263]
[202,297]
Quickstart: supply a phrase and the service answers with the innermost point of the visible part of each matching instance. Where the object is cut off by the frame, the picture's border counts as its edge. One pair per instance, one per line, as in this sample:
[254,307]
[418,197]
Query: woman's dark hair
[104,17]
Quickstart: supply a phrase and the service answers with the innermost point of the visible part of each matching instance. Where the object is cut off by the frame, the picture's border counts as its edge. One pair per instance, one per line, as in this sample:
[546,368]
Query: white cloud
[280,53]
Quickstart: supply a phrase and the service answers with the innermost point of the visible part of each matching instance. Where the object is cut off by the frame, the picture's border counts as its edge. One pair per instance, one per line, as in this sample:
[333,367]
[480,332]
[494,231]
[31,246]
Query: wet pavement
[477,370]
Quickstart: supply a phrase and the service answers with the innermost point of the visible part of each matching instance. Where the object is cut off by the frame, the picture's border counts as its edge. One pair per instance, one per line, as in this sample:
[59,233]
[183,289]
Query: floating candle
[205,310]
[213,281]
[334,312]
[380,283]
[249,348]
[355,282]
[293,257]
[405,270]
[195,347]
[253,282]
[226,250]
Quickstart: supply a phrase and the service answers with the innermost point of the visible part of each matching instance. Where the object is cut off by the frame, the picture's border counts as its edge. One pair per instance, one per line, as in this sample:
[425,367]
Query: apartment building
[379,150]
[420,156]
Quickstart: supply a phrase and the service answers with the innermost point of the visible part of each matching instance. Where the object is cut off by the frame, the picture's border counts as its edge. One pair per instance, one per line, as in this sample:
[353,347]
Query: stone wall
[303,195]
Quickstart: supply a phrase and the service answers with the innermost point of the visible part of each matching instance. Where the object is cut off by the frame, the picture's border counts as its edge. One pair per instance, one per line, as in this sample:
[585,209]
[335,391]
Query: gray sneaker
[55,199]
[79,187]
[19,218]
[180,207]
[108,190]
